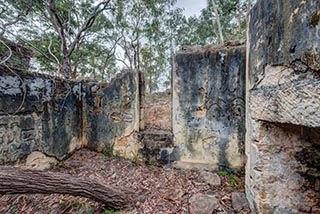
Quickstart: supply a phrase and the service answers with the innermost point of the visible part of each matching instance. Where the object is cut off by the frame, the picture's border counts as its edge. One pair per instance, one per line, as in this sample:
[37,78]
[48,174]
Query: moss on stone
[315,18]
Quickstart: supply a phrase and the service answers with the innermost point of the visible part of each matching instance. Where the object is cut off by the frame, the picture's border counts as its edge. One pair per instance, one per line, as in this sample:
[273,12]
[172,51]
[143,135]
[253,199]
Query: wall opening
[155,130]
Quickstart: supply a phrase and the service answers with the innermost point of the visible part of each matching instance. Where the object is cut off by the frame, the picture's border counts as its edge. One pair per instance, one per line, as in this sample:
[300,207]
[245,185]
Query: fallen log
[15,180]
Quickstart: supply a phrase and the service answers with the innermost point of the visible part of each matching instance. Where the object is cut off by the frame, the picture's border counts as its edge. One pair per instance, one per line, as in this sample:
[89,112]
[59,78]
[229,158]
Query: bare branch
[123,61]
[26,181]
[54,56]
[58,25]
[17,19]
[10,52]
[34,47]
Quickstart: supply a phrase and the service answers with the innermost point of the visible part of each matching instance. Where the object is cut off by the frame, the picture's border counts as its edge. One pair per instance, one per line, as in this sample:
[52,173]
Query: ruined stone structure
[208,107]
[55,117]
[283,107]
[271,114]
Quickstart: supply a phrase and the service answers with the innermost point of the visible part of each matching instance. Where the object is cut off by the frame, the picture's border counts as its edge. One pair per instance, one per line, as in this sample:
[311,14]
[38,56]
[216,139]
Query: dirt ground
[167,190]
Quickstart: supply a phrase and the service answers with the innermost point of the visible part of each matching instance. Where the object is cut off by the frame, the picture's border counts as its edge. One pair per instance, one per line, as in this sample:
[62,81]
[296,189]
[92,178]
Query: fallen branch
[26,181]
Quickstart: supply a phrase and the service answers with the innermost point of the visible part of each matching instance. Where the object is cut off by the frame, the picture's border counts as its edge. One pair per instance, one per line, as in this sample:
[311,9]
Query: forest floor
[166,190]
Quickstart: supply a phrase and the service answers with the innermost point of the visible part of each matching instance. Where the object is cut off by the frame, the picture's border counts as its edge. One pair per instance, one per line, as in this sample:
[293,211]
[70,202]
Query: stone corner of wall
[42,113]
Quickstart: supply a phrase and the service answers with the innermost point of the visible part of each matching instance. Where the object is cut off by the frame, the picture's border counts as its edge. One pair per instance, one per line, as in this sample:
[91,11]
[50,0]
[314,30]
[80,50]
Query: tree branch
[25,13]
[10,52]
[58,25]
[87,25]
[123,61]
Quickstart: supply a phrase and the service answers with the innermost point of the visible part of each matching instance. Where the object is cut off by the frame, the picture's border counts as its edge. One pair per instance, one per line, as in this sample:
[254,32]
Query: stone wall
[112,116]
[208,107]
[55,117]
[283,107]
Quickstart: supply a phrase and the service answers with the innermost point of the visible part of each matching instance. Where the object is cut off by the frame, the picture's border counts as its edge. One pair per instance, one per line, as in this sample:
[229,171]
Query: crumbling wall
[37,113]
[55,117]
[112,116]
[283,107]
[208,107]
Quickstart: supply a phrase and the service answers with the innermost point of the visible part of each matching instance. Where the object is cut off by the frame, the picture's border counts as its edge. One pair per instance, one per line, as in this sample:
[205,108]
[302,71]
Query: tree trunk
[239,21]
[25,181]
[215,8]
[142,100]
[66,67]
[248,9]
[138,52]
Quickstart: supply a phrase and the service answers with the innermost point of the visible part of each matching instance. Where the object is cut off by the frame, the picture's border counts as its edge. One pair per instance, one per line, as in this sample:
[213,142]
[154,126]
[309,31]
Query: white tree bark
[215,9]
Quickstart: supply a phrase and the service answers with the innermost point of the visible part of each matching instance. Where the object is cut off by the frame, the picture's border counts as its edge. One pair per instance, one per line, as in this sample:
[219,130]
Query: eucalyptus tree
[13,12]
[71,37]
[144,44]
[160,43]
[66,35]
[217,20]
[230,15]
[202,30]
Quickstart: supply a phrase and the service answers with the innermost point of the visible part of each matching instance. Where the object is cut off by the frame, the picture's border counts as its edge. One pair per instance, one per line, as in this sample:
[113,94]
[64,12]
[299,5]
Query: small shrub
[107,152]
[78,204]
[232,181]
[223,173]
[111,211]
[14,209]
[149,162]
[231,177]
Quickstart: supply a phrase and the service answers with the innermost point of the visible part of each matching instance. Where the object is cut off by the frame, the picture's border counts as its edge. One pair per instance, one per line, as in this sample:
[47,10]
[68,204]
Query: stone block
[276,29]
[157,147]
[287,96]
[38,160]
[203,204]
[17,138]
[210,178]
[239,201]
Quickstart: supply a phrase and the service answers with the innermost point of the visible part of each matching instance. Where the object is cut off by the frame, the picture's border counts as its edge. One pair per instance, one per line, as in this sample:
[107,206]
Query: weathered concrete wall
[37,114]
[56,117]
[208,107]
[283,107]
[112,116]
